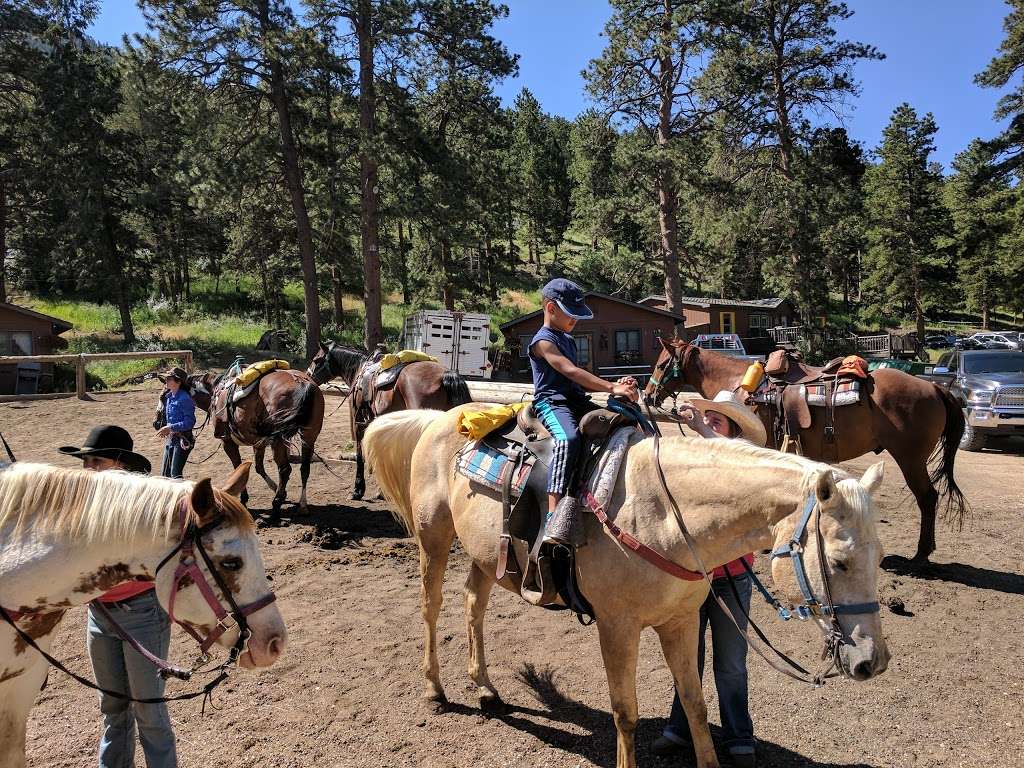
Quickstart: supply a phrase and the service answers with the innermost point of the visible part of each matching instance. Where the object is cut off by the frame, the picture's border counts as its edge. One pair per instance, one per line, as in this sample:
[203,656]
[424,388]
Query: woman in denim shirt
[175,422]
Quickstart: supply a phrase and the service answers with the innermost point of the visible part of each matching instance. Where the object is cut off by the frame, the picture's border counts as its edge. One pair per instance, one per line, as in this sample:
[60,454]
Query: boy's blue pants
[562,420]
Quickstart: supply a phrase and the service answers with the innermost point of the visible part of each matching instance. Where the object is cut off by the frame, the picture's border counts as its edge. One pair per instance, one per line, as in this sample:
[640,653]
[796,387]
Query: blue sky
[933,48]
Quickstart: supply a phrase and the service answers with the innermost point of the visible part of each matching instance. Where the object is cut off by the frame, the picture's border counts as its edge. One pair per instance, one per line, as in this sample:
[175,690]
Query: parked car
[989,386]
[967,343]
[997,340]
[937,341]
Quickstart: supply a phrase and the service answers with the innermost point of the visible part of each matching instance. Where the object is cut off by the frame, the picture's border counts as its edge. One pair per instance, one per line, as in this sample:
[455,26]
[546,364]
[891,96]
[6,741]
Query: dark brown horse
[422,384]
[283,405]
[912,419]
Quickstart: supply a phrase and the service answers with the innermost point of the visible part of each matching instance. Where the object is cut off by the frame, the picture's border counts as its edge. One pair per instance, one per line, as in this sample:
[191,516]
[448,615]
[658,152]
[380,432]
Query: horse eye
[837,565]
[231,563]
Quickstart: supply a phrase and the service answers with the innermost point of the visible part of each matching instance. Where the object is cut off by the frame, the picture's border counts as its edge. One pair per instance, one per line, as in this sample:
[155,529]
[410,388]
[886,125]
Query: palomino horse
[285,403]
[68,535]
[420,385]
[734,498]
[911,418]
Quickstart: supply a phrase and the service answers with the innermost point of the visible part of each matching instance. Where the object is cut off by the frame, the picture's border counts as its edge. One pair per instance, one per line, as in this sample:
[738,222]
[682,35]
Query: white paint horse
[68,535]
[734,498]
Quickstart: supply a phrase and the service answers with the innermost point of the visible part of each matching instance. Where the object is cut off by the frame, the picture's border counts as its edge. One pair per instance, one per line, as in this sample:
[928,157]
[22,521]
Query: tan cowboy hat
[727,404]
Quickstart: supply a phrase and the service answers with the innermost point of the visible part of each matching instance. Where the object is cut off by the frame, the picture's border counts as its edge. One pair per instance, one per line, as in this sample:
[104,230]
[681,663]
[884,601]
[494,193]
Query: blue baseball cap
[569,298]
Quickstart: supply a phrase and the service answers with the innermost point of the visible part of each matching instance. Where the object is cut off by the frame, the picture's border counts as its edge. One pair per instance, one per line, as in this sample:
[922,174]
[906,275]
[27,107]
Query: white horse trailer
[457,339]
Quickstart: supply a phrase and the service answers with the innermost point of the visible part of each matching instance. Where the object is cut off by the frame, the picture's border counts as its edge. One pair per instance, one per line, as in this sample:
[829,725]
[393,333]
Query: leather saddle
[524,517]
[786,366]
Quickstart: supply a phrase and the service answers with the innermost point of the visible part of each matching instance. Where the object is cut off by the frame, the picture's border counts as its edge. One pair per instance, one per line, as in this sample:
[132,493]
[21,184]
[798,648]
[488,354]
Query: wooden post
[187,360]
[80,385]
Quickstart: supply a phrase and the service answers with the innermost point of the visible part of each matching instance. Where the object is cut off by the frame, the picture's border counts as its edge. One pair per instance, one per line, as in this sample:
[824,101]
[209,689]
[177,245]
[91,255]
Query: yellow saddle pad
[391,359]
[254,371]
[476,424]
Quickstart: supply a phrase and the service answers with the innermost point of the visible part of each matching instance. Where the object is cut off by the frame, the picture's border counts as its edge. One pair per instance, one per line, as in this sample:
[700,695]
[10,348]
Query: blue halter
[811,606]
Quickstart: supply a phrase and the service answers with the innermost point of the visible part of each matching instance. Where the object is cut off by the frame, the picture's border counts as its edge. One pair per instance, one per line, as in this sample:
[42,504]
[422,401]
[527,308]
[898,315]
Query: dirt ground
[346,693]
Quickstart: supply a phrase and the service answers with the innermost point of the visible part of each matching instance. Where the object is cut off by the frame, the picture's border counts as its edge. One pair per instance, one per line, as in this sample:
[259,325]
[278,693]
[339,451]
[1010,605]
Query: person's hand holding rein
[694,419]
[626,387]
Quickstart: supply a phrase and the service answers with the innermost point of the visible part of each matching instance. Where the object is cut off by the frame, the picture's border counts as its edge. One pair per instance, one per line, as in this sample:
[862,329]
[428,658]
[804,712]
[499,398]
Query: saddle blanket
[847,393]
[489,467]
[391,359]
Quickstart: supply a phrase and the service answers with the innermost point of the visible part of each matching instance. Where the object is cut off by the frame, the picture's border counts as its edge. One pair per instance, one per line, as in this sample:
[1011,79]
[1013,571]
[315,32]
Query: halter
[192,540]
[826,613]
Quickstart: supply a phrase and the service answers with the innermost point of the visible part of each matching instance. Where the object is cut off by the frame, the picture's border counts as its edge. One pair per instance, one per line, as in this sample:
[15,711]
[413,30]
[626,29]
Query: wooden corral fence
[81,361]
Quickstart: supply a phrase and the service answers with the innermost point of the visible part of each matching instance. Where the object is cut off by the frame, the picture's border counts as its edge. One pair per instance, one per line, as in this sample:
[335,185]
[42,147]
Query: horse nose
[276,647]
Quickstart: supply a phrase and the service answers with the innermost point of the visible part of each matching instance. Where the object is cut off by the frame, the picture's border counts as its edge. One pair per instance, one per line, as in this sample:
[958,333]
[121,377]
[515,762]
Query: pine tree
[906,220]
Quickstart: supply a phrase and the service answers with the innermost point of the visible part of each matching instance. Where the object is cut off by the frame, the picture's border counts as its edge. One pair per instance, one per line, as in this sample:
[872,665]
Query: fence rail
[80,362]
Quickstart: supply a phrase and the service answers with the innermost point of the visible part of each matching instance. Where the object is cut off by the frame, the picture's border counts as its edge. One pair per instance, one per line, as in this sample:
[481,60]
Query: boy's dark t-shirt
[549,384]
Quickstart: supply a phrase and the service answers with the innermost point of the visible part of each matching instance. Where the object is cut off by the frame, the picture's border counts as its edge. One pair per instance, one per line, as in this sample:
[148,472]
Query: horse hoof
[356,496]
[435,704]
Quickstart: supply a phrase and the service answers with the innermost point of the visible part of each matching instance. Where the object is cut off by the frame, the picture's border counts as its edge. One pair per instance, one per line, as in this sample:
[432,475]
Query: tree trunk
[403,265]
[124,306]
[293,177]
[3,240]
[339,309]
[665,181]
[448,289]
[265,284]
[491,264]
[373,326]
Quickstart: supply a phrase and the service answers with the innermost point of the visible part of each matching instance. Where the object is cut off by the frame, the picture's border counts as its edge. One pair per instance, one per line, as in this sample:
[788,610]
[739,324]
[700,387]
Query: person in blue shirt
[178,417]
[560,385]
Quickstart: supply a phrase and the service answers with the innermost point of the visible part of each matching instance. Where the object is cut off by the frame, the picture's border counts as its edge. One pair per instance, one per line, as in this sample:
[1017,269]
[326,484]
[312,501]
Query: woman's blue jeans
[119,667]
[730,668]
[175,457]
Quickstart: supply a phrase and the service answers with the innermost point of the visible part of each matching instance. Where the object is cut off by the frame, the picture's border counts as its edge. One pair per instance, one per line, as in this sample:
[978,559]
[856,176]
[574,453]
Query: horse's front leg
[478,591]
[307,458]
[679,643]
[259,451]
[435,533]
[620,646]
[359,487]
[284,471]
[235,457]
[17,695]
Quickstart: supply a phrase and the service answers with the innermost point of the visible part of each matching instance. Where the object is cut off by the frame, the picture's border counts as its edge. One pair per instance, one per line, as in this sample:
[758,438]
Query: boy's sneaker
[663,746]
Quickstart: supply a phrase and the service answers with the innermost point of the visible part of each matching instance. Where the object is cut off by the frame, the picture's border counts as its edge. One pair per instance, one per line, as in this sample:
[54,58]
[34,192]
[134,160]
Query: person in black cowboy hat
[177,417]
[109,447]
[134,606]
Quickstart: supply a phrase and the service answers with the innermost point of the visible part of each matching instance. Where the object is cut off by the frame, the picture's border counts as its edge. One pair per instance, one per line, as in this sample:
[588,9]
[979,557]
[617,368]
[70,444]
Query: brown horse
[419,385]
[283,405]
[912,419]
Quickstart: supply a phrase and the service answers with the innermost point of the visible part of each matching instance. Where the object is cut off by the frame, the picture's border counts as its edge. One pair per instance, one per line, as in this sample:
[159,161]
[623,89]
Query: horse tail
[455,388]
[943,459]
[388,445]
[288,421]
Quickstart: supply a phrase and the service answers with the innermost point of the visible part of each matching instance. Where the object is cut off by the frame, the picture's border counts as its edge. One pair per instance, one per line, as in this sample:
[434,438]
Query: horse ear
[825,487]
[666,345]
[204,504]
[323,346]
[236,483]
[871,480]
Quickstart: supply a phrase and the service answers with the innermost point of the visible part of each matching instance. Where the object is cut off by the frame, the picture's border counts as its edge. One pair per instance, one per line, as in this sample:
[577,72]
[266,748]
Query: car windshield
[1008,362]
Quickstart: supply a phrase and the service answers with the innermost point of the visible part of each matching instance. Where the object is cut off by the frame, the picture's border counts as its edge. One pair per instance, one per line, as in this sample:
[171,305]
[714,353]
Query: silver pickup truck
[989,385]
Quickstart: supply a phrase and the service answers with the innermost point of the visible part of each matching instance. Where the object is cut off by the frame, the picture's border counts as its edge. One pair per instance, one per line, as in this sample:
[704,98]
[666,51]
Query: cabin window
[727,322]
[627,347]
[758,325]
[583,350]
[15,342]
[524,345]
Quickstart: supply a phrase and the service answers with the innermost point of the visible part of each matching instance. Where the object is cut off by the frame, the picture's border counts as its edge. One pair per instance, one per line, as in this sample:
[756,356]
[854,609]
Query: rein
[191,541]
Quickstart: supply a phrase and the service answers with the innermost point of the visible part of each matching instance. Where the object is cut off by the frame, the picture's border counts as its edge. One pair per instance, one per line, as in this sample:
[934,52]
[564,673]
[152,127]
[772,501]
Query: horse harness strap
[187,566]
[832,640]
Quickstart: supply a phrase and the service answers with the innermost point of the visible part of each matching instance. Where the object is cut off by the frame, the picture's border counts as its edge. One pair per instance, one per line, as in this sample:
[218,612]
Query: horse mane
[348,359]
[92,506]
[742,453]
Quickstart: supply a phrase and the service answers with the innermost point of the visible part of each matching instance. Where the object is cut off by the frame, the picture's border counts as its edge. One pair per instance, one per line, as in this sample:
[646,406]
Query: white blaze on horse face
[237,557]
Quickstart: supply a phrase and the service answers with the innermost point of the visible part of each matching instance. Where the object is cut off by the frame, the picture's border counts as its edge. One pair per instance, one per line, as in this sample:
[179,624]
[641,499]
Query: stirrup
[538,585]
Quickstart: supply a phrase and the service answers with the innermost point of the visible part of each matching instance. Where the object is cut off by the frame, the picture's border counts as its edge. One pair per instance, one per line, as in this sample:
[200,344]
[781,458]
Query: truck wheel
[973,439]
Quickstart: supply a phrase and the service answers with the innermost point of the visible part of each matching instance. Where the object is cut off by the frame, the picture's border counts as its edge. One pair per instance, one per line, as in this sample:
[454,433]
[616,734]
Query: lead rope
[818,679]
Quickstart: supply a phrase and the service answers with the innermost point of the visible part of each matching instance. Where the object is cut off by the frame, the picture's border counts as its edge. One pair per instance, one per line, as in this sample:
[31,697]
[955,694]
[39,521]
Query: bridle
[191,540]
[826,613]
[188,567]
